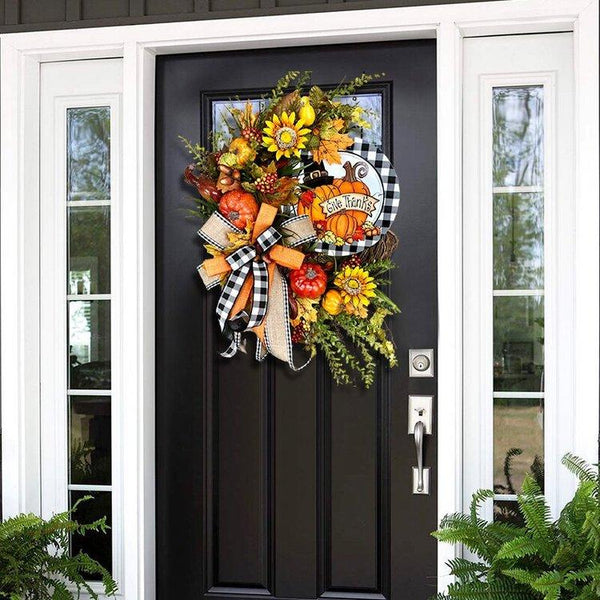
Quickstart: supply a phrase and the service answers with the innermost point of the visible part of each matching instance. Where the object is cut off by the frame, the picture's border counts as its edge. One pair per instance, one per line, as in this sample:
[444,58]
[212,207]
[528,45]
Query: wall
[30,15]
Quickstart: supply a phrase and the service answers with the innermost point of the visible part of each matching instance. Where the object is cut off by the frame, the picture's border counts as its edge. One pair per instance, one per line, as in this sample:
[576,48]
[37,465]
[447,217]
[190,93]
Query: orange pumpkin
[343,224]
[349,184]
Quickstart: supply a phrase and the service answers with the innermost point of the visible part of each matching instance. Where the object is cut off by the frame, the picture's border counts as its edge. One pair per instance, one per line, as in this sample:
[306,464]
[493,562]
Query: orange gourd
[349,184]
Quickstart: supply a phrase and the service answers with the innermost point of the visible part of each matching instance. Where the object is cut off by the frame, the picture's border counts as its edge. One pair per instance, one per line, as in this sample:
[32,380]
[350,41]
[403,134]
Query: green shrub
[35,561]
[544,559]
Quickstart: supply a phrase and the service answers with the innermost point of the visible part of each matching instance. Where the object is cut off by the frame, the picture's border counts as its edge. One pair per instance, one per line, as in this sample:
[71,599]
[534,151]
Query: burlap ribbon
[254,272]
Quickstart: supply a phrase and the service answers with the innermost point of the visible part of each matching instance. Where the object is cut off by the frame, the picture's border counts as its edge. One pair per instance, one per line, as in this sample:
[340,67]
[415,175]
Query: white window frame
[74,85]
[22,54]
[560,403]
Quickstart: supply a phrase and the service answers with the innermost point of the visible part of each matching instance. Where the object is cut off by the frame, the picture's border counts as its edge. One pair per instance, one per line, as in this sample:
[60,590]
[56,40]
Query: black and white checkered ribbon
[269,297]
[243,261]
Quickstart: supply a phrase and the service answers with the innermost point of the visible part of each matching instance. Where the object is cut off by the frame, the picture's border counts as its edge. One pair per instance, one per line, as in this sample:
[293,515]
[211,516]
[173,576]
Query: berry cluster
[251,134]
[353,261]
[266,183]
[298,334]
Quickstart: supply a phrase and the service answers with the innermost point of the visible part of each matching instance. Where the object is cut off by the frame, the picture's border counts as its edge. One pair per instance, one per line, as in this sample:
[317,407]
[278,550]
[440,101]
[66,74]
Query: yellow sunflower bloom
[356,288]
[284,135]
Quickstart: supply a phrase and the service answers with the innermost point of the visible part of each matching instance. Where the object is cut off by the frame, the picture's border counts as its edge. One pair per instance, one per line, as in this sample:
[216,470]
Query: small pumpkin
[309,281]
[242,150]
[239,207]
[343,224]
[332,302]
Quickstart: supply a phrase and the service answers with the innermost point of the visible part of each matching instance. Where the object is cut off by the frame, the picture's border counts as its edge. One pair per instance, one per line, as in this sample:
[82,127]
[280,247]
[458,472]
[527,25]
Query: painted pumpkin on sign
[343,224]
[348,185]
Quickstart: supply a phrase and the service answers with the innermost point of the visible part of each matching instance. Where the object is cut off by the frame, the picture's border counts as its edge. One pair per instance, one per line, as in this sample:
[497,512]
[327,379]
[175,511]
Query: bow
[254,275]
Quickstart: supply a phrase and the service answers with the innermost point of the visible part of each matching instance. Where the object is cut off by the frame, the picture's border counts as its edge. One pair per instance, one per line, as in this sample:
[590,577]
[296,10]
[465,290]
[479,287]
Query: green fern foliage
[36,564]
[543,560]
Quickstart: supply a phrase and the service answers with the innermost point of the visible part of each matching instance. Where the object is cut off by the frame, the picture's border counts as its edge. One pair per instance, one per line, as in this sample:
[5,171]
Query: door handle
[419,431]
[420,424]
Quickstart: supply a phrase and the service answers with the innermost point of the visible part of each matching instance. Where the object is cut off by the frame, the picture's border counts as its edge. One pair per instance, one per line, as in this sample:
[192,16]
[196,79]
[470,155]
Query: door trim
[22,54]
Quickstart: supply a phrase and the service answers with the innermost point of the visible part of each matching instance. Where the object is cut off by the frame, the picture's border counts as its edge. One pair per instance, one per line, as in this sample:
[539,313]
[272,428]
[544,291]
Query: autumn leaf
[307,310]
[331,142]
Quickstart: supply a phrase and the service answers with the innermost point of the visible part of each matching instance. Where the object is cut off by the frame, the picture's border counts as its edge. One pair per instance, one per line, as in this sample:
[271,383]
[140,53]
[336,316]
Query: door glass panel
[518,443]
[518,136]
[518,241]
[89,323]
[89,250]
[88,159]
[371,103]
[90,433]
[518,343]
[518,289]
[97,544]
[89,344]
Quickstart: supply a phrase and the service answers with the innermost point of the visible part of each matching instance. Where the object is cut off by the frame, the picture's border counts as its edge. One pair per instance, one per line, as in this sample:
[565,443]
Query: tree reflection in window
[88,158]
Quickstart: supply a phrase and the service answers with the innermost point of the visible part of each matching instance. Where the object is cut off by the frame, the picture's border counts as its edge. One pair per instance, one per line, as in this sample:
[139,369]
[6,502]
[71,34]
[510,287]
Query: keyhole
[421,362]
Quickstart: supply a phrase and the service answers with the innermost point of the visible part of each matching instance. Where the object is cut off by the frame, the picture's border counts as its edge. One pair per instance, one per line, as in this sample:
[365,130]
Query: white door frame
[22,54]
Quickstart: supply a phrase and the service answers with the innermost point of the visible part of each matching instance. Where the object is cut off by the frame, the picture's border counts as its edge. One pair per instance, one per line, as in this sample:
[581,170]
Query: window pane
[88,153]
[518,443]
[90,434]
[89,250]
[507,511]
[372,103]
[97,545]
[518,343]
[89,344]
[518,241]
[518,135]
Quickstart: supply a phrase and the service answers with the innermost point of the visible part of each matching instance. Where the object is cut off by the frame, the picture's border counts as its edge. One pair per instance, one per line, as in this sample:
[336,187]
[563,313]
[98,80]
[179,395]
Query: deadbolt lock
[420,362]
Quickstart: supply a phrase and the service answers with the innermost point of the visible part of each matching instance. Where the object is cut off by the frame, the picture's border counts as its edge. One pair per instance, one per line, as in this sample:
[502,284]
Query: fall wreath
[296,213]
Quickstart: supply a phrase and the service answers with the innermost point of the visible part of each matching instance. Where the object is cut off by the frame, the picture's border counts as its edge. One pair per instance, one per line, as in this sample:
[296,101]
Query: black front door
[270,483]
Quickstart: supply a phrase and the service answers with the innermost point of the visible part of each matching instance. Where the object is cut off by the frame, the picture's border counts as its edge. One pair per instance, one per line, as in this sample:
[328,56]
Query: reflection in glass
[97,544]
[518,443]
[89,250]
[372,104]
[88,153]
[90,433]
[518,343]
[507,511]
[518,135]
[89,344]
[518,241]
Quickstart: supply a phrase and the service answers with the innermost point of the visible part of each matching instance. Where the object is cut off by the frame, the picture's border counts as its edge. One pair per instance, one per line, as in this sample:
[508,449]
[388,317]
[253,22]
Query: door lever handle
[419,434]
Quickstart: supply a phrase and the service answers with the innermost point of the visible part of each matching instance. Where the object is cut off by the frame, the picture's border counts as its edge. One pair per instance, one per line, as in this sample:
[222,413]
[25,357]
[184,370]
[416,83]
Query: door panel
[275,483]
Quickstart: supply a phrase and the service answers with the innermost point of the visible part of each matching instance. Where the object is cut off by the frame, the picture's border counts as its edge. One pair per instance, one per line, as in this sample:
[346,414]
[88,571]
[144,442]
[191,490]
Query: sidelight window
[80,299]
[88,300]
[518,291]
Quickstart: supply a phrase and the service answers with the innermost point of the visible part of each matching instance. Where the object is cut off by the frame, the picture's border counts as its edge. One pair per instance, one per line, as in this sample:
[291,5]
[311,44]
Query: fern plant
[36,564]
[543,560]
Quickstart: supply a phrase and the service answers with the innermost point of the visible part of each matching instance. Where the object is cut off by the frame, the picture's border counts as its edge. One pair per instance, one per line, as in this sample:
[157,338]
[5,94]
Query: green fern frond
[579,467]
[522,575]
[545,560]
[549,584]
[518,548]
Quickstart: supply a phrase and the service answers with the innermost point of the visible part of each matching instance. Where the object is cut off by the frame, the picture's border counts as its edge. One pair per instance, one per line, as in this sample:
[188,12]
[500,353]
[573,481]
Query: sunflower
[284,136]
[356,287]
